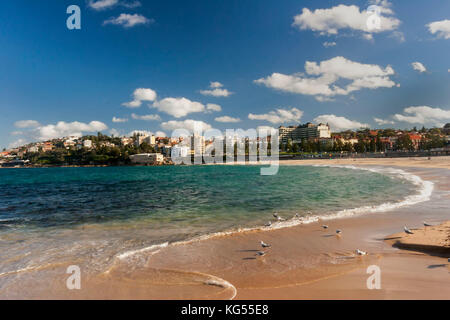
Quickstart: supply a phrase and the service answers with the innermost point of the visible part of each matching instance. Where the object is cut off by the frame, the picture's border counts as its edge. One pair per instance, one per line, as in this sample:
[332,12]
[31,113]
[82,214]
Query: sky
[160,65]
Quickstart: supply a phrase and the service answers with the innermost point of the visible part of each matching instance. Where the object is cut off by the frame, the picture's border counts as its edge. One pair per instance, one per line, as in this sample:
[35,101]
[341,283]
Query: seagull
[427,224]
[338,231]
[269,224]
[265,245]
[260,253]
[360,253]
[324,227]
[275,215]
[280,219]
[297,215]
[408,231]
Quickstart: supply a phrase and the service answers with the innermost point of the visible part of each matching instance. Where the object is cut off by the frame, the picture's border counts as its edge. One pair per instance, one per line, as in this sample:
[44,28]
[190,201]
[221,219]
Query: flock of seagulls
[358,252]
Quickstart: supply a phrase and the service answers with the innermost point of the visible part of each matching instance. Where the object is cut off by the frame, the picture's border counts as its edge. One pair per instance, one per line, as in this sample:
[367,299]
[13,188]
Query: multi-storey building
[306,131]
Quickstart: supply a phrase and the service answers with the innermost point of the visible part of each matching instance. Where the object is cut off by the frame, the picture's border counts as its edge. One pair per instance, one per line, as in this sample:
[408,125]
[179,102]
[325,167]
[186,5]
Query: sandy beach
[304,261]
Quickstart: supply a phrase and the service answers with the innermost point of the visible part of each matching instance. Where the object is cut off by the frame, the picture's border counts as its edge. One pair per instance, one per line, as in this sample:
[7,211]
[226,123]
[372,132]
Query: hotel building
[306,131]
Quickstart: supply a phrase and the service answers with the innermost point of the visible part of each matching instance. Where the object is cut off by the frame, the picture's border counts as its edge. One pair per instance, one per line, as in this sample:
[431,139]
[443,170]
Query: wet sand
[303,262]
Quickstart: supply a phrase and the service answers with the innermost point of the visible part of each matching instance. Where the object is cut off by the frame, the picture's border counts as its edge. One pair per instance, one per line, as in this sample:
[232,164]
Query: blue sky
[176,49]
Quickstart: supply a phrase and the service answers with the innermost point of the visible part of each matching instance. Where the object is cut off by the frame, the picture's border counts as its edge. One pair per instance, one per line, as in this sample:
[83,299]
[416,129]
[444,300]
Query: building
[180,152]
[306,131]
[151,140]
[87,144]
[147,158]
[126,141]
[198,144]
[33,149]
[47,146]
[140,139]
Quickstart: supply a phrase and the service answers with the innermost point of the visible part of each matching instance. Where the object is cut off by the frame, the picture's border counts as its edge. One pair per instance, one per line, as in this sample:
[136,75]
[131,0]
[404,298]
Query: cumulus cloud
[22,124]
[213,107]
[320,79]
[128,20]
[119,120]
[148,117]
[418,66]
[424,115]
[216,90]
[342,17]
[178,107]
[17,143]
[382,122]
[340,123]
[64,129]
[227,119]
[279,116]
[140,95]
[190,125]
[440,28]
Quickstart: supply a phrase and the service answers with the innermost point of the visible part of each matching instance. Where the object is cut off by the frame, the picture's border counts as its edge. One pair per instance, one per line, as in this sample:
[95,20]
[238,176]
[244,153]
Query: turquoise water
[95,214]
[216,196]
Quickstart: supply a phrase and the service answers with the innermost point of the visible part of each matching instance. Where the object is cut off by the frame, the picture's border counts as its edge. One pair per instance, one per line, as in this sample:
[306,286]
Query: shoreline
[305,261]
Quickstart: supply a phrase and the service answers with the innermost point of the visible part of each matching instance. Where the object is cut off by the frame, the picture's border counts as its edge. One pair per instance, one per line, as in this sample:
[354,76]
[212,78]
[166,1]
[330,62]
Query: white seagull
[297,215]
[324,227]
[265,245]
[260,253]
[427,224]
[269,224]
[360,253]
[338,231]
[407,230]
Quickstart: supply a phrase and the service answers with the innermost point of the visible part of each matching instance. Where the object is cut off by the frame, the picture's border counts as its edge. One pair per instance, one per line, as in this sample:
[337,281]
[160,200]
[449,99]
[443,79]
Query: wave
[425,191]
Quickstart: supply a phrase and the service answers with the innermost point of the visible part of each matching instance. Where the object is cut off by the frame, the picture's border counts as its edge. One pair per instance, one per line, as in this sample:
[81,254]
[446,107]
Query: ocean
[94,216]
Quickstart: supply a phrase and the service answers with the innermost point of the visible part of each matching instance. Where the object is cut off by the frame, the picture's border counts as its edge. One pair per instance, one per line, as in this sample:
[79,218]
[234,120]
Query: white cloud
[418,66]
[128,20]
[119,120]
[178,107]
[148,117]
[141,94]
[215,84]
[227,119]
[440,28]
[22,124]
[279,116]
[328,44]
[424,115]
[342,17]
[213,107]
[216,90]
[340,123]
[190,125]
[382,122]
[320,79]
[102,4]
[64,129]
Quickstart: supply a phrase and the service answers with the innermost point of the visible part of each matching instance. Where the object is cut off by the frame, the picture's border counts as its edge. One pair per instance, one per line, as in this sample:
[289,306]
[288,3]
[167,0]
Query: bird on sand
[269,224]
[407,230]
[427,224]
[360,253]
[338,231]
[324,227]
[275,215]
[265,245]
[260,253]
